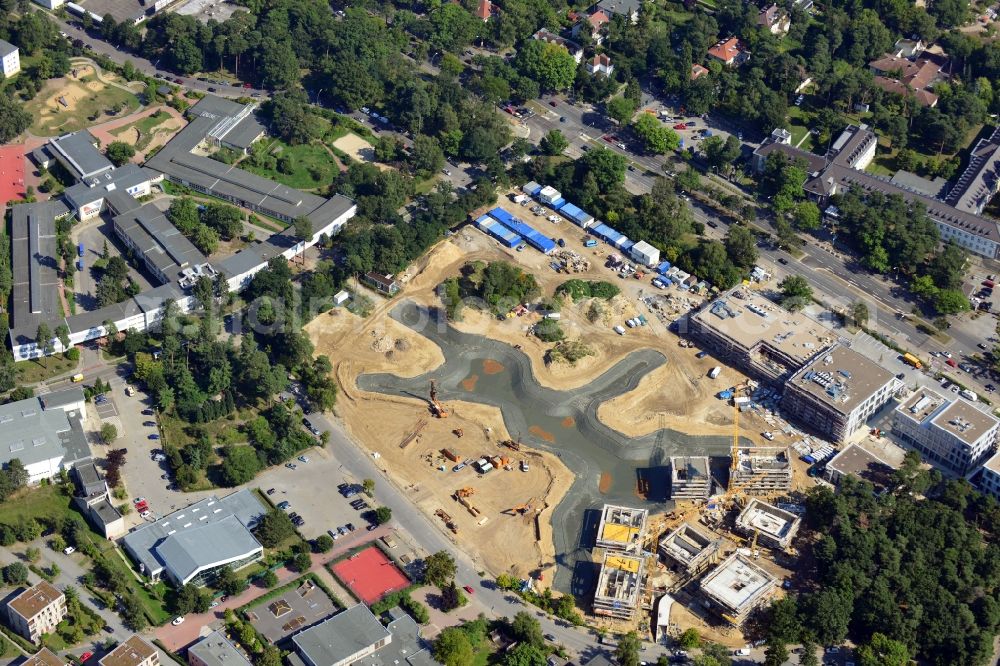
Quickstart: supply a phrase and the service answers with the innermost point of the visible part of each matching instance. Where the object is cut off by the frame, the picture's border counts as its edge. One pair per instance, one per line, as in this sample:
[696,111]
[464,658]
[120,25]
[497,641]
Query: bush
[548,330]
[568,351]
[582,289]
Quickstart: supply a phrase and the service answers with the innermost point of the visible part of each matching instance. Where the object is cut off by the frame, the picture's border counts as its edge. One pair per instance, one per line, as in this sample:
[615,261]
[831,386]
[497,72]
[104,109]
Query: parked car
[178,621]
[468,588]
[154,436]
[147,412]
[69,550]
[283,505]
[270,491]
[149,424]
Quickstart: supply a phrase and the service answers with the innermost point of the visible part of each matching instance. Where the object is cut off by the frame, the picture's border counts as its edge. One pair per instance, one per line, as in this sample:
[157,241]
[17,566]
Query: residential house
[774,19]
[37,611]
[729,52]
[595,21]
[600,64]
[629,9]
[698,71]
[911,78]
[575,50]
[484,10]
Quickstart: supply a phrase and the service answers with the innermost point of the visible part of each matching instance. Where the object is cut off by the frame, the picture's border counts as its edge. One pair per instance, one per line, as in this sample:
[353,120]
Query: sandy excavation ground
[358,149]
[500,542]
[678,395]
[157,137]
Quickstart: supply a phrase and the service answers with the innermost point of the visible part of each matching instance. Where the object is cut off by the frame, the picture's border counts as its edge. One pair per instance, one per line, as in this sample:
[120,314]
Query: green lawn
[154,608]
[44,503]
[311,165]
[93,102]
[39,369]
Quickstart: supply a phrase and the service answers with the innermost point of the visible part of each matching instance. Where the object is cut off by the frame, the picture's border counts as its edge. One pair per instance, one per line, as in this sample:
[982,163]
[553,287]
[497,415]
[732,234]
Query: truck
[450,455]
[910,359]
[714,372]
[518,198]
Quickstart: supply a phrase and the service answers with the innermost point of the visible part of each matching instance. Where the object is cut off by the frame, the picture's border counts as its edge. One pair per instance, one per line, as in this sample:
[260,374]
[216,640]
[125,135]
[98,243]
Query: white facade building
[645,254]
[11,58]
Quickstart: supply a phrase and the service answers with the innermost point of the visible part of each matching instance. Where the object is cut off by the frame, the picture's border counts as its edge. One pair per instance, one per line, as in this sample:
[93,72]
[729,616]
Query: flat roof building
[10,59]
[621,528]
[690,477]
[854,460]
[36,283]
[690,551]
[349,636]
[191,545]
[165,251]
[988,478]
[404,648]
[37,611]
[77,151]
[216,650]
[772,526]
[761,470]
[751,332]
[91,196]
[45,433]
[736,588]
[133,652]
[619,586]
[947,431]
[837,392]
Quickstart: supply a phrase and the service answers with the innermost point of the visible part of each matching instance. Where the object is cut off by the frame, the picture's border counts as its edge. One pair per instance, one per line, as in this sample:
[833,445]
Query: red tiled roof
[600,60]
[485,10]
[697,71]
[725,50]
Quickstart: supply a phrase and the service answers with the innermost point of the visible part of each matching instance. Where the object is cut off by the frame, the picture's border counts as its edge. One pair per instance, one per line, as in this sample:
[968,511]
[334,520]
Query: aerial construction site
[506,450]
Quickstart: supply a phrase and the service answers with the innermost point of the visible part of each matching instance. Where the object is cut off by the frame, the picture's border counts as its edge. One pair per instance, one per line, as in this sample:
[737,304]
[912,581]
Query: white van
[619,330]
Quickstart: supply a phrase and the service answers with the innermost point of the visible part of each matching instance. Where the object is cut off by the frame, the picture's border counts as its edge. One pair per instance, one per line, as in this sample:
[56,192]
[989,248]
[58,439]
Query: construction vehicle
[437,408]
[465,492]
[511,444]
[458,432]
[521,509]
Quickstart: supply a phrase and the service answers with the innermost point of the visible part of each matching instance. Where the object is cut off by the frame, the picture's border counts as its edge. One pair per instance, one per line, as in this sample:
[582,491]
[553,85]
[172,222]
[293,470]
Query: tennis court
[370,575]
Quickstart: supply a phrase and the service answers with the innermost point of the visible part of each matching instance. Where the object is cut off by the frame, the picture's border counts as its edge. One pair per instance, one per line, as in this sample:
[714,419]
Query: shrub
[548,330]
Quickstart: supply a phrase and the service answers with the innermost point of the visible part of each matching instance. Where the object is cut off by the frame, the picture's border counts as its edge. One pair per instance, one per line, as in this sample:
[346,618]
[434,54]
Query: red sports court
[11,173]
[370,575]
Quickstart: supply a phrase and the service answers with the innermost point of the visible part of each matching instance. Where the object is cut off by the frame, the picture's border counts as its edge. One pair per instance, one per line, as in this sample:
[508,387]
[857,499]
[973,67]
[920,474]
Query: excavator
[465,492]
[437,408]
[521,508]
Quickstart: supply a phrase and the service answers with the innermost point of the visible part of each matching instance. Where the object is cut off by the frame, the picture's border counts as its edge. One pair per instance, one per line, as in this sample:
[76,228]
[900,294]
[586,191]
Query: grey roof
[919,184]
[84,321]
[6,48]
[621,7]
[979,182]
[812,161]
[105,511]
[229,182]
[89,481]
[98,187]
[405,642]
[35,292]
[59,399]
[342,636]
[120,202]
[159,241]
[243,261]
[33,434]
[216,650]
[78,151]
[206,532]
[245,133]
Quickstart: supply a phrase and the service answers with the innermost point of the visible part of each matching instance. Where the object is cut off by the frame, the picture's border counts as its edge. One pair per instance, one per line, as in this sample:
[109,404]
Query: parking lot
[93,236]
[311,491]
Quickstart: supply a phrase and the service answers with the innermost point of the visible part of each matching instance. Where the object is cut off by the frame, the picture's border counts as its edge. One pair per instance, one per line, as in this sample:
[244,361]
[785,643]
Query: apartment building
[619,586]
[772,527]
[689,551]
[10,57]
[837,392]
[621,528]
[36,611]
[736,588]
[136,651]
[761,470]
[947,430]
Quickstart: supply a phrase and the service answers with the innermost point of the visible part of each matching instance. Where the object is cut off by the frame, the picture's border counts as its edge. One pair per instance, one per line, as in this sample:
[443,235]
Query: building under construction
[689,551]
[619,586]
[690,478]
[771,526]
[761,470]
[736,588]
[622,529]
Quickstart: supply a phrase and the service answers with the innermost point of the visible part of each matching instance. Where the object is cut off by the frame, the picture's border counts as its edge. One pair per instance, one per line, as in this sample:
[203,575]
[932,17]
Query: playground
[370,575]
[78,100]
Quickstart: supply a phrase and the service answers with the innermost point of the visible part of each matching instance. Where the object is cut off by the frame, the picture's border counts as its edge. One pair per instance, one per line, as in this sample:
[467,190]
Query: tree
[775,654]
[439,568]
[227,582]
[274,527]
[451,597]
[15,573]
[271,656]
[606,166]
[109,433]
[883,651]
[551,65]
[13,118]
[657,137]
[240,464]
[427,156]
[269,579]
[43,338]
[713,654]
[553,143]
[690,639]
[741,246]
[368,486]
[62,333]
[525,628]
[191,599]
[721,154]
[808,656]
[525,655]
[795,292]
[806,216]
[950,301]
[323,543]
[383,514]
[303,228]
[627,652]
[132,613]
[302,562]
[859,312]
[452,648]
[119,152]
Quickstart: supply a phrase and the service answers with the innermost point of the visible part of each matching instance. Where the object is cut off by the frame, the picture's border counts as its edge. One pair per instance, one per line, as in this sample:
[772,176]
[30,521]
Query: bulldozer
[437,408]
